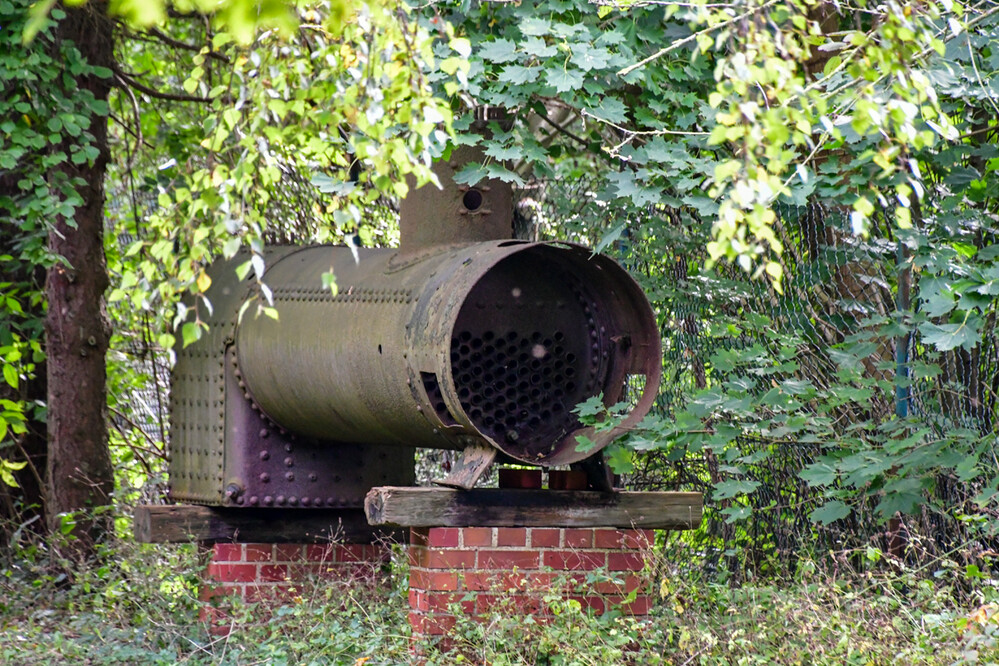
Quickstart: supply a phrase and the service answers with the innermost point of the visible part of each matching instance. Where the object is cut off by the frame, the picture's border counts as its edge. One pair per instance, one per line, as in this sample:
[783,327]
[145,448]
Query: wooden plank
[445,507]
[178,523]
[472,464]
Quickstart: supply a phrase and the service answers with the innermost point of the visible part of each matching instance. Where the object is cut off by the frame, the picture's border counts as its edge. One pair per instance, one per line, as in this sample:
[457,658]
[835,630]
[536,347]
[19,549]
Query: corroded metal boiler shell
[495,341]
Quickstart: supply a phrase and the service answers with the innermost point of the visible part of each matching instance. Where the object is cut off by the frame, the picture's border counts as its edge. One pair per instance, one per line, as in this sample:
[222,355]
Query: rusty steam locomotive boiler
[461,338]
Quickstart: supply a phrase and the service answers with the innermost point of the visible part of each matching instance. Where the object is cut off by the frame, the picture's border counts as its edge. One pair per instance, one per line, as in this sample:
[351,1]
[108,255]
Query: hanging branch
[126,80]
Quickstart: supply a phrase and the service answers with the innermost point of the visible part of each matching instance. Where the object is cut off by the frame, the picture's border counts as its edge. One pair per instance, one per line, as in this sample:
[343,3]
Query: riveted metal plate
[269,466]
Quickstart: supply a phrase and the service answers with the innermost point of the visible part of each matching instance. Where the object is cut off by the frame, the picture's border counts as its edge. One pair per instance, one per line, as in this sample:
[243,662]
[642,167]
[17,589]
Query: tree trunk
[79,474]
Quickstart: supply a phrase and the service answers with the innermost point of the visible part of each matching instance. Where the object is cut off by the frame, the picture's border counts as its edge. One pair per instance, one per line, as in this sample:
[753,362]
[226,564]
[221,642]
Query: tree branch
[689,38]
[176,43]
[126,80]
[544,117]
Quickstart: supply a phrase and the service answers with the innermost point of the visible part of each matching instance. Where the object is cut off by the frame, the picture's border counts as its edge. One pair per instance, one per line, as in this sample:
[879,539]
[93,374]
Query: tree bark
[79,474]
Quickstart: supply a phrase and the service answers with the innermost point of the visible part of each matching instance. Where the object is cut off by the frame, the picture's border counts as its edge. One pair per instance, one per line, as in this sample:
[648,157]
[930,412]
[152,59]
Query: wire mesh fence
[839,287]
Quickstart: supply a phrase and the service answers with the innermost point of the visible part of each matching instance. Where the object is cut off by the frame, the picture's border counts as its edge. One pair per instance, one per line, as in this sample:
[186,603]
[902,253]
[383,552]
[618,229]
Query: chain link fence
[836,284]
[839,287]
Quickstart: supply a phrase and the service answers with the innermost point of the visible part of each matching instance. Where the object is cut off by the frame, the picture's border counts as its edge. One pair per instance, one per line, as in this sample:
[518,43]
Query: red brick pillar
[279,572]
[478,568]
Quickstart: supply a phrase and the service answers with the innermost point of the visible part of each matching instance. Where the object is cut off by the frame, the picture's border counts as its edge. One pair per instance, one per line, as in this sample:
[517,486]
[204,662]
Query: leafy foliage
[41,114]
[136,604]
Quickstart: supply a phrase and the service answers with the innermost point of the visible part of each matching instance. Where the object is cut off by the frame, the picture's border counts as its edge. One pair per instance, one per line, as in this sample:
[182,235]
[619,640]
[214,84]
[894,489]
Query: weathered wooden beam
[177,523]
[446,507]
[473,463]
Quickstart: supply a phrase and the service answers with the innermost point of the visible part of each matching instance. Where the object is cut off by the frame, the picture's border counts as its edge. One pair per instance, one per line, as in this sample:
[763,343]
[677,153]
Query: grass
[139,605]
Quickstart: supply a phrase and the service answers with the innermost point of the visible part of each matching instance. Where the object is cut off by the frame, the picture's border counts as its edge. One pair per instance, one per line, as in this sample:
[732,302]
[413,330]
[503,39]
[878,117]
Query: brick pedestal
[478,569]
[280,572]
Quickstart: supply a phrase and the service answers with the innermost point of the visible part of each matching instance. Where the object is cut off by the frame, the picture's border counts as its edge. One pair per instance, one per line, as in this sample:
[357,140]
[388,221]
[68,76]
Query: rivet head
[265,433]
[290,476]
[265,455]
[279,500]
[289,462]
[268,500]
[292,501]
[305,501]
[254,500]
[287,447]
[330,501]
[265,477]
[313,477]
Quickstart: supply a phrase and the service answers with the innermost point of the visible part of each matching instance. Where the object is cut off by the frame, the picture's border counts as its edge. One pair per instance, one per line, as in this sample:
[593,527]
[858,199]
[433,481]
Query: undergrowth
[138,604]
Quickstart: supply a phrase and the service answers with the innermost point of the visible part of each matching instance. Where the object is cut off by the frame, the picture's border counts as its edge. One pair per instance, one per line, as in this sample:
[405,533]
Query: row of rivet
[292,500]
[351,295]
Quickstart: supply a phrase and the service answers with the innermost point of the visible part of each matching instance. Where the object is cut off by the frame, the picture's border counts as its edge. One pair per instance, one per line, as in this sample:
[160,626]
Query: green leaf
[564,80]
[538,48]
[612,110]
[190,333]
[734,514]
[591,407]
[584,444]
[588,58]
[819,474]
[499,51]
[830,512]
[519,75]
[734,488]
[535,26]
[329,282]
[505,152]
[620,459]
[10,375]
[946,337]
[610,237]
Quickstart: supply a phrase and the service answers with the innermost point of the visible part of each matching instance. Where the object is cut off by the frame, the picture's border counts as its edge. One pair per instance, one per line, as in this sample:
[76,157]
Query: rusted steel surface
[459,340]
[430,217]
[494,341]
[225,451]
